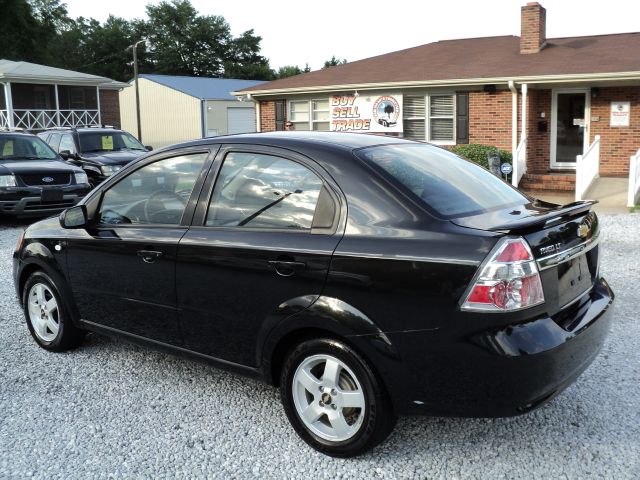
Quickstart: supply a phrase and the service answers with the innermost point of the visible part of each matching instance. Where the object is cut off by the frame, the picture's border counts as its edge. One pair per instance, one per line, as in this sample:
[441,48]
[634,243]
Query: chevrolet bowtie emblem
[583,230]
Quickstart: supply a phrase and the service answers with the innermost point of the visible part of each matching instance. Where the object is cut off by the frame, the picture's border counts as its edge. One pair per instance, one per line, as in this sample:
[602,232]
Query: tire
[342,421]
[49,321]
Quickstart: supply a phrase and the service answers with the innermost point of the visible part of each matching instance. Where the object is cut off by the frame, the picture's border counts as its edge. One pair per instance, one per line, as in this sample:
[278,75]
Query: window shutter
[462,117]
[414,109]
[280,116]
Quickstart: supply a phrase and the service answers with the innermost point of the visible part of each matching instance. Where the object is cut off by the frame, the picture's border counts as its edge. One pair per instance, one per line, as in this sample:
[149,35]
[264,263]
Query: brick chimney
[533,28]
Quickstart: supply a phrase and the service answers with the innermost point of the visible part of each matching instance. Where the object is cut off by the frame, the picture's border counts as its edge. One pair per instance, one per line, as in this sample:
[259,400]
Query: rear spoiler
[547,218]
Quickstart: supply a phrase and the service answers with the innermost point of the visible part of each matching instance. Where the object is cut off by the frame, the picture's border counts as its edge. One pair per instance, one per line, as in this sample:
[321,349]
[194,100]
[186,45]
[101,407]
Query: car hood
[120,157]
[16,167]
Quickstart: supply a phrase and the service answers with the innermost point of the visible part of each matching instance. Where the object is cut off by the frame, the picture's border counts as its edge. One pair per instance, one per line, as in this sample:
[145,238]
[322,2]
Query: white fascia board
[451,83]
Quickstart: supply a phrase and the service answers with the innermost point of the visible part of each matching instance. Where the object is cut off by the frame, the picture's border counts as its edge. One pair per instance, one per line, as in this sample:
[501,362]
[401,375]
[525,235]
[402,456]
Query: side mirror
[74,217]
[148,147]
[66,154]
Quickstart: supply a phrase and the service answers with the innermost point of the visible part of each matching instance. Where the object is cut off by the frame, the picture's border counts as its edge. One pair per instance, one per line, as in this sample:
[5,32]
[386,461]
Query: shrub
[478,153]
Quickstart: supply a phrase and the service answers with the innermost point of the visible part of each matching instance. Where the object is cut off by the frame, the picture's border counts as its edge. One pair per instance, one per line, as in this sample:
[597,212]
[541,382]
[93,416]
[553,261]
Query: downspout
[202,118]
[257,104]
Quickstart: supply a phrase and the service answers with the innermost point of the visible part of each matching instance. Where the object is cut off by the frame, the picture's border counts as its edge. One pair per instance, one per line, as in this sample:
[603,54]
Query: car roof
[342,140]
[17,132]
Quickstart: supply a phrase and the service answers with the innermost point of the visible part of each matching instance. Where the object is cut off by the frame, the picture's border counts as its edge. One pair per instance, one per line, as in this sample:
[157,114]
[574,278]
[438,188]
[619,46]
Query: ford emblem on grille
[47,179]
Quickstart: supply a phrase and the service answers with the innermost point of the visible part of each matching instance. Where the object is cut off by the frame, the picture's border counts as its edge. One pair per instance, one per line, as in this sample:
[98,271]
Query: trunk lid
[563,240]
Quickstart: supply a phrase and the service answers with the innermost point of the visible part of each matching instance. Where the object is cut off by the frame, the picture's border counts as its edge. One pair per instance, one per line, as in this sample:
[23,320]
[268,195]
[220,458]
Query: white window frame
[290,112]
[312,111]
[405,118]
[427,118]
[309,102]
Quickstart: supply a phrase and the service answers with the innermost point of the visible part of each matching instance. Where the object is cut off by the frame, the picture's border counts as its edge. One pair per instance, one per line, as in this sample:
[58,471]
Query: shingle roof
[204,88]
[11,70]
[477,58]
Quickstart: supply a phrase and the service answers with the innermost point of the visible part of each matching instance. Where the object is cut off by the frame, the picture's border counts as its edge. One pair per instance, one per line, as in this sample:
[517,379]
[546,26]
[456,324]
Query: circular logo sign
[386,111]
[506,168]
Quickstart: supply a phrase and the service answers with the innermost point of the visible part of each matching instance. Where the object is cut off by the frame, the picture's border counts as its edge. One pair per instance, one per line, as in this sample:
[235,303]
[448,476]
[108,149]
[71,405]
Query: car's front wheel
[333,399]
[47,315]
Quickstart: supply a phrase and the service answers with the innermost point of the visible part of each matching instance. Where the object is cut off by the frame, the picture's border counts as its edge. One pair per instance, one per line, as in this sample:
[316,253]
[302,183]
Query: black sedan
[365,276]
[34,180]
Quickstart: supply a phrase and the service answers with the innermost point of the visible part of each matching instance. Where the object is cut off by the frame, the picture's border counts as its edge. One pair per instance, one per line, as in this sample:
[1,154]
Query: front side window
[255,190]
[446,183]
[154,194]
[108,142]
[24,147]
[67,143]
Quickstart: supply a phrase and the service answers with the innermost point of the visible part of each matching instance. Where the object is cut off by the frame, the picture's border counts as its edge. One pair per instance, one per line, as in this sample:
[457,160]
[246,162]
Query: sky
[299,32]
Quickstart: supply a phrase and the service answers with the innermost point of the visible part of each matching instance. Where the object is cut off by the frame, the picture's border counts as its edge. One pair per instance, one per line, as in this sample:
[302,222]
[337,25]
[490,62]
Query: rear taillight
[509,280]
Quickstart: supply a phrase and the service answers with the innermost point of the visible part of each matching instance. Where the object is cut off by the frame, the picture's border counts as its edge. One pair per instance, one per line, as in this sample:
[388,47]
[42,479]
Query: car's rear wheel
[47,315]
[333,399]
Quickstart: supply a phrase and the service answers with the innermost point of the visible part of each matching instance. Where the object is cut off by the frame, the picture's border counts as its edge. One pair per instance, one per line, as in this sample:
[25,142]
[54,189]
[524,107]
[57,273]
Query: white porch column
[98,100]
[9,101]
[57,106]
[523,131]
[514,132]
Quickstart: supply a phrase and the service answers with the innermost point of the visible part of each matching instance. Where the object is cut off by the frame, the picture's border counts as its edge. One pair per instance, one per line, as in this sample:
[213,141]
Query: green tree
[19,31]
[288,71]
[185,43]
[334,62]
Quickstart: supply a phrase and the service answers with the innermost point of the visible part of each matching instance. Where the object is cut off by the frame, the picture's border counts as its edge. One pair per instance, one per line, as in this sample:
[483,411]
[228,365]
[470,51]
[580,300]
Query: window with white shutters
[414,117]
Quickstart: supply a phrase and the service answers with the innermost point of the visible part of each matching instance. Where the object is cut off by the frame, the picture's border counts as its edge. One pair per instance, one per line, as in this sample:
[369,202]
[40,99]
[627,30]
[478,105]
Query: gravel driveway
[110,409]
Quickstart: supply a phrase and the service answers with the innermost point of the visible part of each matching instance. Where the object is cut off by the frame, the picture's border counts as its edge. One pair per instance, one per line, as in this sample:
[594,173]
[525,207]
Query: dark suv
[34,180]
[99,151]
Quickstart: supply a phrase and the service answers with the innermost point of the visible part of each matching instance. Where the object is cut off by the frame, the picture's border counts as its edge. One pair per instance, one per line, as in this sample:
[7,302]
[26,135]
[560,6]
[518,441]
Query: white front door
[569,126]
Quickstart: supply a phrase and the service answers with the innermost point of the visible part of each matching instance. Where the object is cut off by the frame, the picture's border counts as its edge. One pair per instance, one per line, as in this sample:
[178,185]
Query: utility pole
[135,79]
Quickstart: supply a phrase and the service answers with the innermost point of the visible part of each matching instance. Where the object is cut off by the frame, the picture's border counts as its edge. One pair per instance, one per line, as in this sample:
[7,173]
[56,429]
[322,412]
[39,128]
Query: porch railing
[519,162]
[587,168]
[4,119]
[42,119]
[634,180]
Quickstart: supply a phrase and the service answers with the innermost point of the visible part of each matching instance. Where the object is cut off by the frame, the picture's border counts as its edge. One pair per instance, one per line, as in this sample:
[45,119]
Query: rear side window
[449,185]
[264,191]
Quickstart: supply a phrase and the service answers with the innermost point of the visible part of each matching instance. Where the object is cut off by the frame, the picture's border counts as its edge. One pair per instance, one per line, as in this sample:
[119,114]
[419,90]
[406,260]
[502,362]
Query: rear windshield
[447,184]
[108,142]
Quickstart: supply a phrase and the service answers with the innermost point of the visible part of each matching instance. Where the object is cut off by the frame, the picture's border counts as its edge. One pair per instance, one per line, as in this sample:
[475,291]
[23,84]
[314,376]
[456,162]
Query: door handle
[286,268]
[149,256]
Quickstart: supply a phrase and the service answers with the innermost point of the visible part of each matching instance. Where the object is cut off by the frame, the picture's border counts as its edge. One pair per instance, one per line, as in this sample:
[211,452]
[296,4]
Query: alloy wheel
[328,398]
[44,314]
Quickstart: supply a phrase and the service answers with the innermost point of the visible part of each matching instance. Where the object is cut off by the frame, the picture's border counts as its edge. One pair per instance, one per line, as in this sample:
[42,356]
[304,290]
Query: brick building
[36,97]
[555,103]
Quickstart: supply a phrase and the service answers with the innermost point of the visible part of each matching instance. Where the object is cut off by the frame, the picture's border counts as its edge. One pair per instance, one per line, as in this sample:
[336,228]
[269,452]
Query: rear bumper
[503,372]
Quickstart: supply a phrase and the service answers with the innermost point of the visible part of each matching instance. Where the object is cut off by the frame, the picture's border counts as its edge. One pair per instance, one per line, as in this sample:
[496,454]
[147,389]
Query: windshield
[447,184]
[24,147]
[108,142]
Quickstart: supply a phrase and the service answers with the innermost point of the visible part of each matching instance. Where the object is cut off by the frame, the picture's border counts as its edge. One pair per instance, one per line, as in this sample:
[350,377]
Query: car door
[122,270]
[258,250]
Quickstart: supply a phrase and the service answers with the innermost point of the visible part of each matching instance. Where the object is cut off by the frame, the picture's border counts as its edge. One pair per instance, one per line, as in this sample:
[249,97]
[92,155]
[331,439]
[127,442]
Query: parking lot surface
[113,410]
